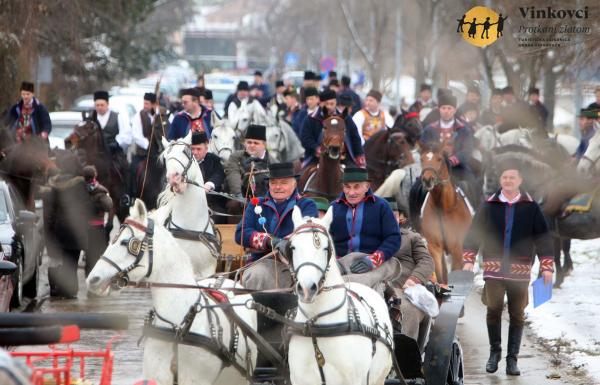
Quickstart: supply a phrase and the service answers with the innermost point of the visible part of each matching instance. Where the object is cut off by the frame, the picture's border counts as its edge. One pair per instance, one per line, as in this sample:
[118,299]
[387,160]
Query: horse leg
[568,262]
[437,253]
[560,276]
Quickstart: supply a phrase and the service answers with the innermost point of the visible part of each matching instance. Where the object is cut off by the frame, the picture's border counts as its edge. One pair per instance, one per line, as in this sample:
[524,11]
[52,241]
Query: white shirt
[504,199]
[359,120]
[124,137]
[137,129]
[232,109]
[446,125]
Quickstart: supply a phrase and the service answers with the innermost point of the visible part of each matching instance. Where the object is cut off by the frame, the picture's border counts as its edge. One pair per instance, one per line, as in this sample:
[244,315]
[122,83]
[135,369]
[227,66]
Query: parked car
[220,93]
[63,124]
[7,268]
[21,237]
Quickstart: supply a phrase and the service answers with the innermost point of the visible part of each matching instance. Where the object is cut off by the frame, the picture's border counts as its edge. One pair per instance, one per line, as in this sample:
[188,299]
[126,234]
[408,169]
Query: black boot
[514,343]
[495,337]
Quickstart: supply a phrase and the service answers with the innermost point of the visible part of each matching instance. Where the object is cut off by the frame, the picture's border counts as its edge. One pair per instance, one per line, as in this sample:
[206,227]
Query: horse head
[409,123]
[181,167]
[435,169]
[222,138]
[129,255]
[312,255]
[334,129]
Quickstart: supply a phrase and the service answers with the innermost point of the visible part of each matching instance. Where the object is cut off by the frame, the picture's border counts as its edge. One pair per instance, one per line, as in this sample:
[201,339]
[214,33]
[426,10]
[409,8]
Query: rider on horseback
[194,116]
[312,132]
[266,222]
[456,137]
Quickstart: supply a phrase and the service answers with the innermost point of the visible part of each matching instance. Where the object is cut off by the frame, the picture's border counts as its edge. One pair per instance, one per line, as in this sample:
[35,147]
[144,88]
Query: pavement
[538,365]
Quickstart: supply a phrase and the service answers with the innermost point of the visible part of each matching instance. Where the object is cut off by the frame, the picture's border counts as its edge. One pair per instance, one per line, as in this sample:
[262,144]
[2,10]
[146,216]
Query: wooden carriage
[232,255]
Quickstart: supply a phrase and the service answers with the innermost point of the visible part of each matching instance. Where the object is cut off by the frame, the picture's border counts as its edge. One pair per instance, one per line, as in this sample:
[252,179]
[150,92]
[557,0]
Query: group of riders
[372,236]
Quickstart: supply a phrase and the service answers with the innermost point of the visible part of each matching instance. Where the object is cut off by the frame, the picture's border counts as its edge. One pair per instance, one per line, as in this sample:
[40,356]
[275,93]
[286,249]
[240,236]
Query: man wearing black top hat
[234,101]
[194,117]
[212,170]
[29,116]
[254,157]
[277,102]
[115,127]
[276,207]
[147,127]
[312,133]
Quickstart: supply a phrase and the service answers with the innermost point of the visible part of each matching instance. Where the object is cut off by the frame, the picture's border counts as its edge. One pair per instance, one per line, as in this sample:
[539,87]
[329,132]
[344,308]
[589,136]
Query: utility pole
[398,59]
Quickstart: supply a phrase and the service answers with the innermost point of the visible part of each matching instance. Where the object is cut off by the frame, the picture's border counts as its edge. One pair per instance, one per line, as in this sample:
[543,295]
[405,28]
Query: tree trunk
[550,79]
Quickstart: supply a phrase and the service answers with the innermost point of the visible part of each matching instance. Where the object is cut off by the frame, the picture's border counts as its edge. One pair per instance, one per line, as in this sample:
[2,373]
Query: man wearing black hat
[371,119]
[212,171]
[492,115]
[29,116]
[115,126]
[254,157]
[277,102]
[312,133]
[307,82]
[363,229]
[424,104]
[292,110]
[147,127]
[509,229]
[276,207]
[539,112]
[259,82]
[194,116]
[309,106]
[587,119]
[347,91]
[242,94]
[456,138]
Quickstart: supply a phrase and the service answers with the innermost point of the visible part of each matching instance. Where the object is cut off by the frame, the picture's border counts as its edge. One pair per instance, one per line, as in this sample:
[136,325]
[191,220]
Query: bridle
[437,179]
[187,151]
[136,248]
[315,229]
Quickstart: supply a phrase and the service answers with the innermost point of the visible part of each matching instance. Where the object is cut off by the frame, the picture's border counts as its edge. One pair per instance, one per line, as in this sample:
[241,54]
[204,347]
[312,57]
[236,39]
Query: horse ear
[164,142]
[188,137]
[214,119]
[138,210]
[297,216]
[328,217]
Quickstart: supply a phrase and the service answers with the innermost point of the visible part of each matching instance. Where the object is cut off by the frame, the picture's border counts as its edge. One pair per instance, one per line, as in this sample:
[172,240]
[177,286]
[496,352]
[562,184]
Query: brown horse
[385,152]
[446,216]
[325,179]
[25,164]
[87,141]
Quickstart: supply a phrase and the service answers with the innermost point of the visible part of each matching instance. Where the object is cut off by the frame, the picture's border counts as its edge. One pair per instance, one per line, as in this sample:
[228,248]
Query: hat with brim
[322,203]
[589,113]
[282,170]
[355,174]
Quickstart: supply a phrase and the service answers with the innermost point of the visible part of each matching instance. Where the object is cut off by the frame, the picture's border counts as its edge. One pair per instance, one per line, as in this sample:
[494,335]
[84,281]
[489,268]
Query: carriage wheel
[456,369]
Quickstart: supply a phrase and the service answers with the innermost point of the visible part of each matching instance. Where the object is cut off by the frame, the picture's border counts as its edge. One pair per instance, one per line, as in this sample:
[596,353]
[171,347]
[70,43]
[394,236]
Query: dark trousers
[518,298]
[96,246]
[62,272]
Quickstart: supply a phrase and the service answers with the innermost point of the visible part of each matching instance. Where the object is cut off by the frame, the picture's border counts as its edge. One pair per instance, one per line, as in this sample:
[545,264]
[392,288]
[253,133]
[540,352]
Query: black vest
[154,141]
[111,130]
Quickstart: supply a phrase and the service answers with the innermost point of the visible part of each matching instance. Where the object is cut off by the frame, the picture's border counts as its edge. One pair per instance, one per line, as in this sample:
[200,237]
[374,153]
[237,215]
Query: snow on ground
[570,321]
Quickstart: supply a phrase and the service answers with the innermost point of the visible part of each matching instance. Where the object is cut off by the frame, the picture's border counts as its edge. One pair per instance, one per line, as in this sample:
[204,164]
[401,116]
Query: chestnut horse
[445,215]
[325,179]
[87,141]
[386,151]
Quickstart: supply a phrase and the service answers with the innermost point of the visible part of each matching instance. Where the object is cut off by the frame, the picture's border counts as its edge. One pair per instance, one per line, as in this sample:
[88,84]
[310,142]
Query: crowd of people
[371,236]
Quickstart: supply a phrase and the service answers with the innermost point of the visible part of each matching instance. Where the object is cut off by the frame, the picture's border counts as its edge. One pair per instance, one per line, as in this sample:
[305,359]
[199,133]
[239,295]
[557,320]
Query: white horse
[248,112]
[130,255]
[489,138]
[589,164]
[222,138]
[324,297]
[282,142]
[185,209]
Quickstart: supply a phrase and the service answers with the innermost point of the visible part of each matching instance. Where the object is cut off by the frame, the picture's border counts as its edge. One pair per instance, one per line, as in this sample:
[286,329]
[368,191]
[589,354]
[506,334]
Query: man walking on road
[509,229]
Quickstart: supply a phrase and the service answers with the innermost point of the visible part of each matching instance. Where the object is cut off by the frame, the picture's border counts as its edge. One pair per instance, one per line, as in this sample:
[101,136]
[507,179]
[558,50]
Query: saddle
[581,203]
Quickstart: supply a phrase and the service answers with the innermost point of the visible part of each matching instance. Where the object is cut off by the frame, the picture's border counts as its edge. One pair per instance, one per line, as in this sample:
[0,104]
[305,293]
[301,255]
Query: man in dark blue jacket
[29,116]
[364,229]
[508,230]
[275,209]
[194,116]
[312,133]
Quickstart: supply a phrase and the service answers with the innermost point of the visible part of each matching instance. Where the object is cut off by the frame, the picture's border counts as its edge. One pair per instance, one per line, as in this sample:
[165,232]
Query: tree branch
[352,28]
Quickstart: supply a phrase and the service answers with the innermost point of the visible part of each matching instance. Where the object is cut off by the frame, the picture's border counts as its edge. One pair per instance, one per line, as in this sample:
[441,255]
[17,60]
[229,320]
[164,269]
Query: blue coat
[368,228]
[312,136]
[40,121]
[462,135]
[181,124]
[254,235]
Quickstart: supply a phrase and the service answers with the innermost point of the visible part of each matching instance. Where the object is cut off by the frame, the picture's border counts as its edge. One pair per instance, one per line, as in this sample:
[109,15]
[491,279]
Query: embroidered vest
[372,124]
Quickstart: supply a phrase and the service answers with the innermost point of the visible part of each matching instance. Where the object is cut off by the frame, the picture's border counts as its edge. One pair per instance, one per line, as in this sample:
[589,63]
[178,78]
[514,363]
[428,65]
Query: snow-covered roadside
[570,321]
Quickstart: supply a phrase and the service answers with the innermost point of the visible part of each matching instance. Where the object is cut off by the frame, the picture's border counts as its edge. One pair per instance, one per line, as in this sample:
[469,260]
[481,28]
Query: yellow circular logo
[481,26]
